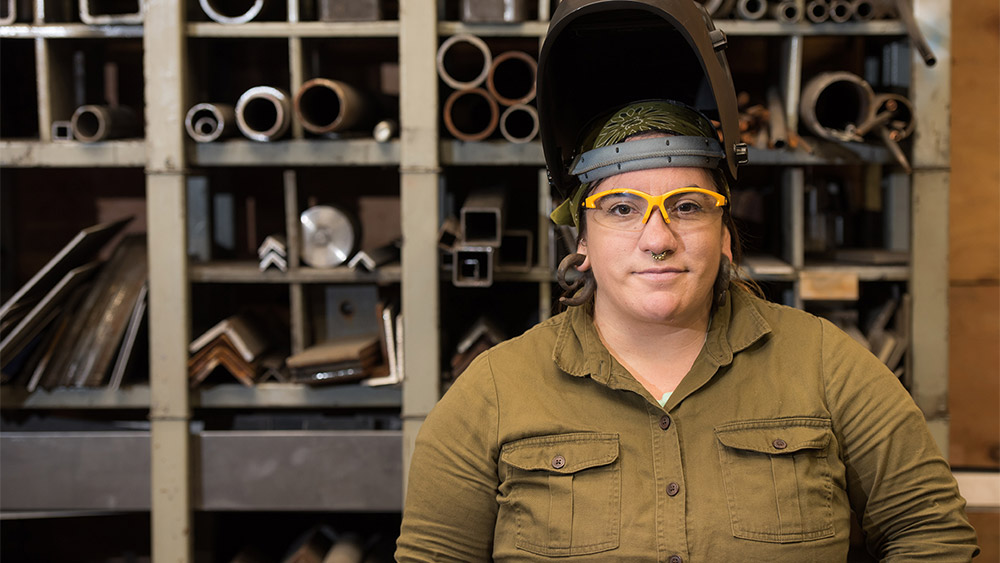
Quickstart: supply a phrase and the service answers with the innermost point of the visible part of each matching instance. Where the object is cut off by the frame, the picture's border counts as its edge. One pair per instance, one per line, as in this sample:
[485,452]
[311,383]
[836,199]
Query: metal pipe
[896,113]
[385,130]
[817,11]
[329,106]
[448,64]
[210,122]
[93,123]
[514,72]
[471,115]
[786,11]
[777,130]
[213,11]
[863,10]
[8,12]
[905,11]
[840,11]
[94,12]
[62,130]
[751,9]
[835,104]
[519,123]
[263,113]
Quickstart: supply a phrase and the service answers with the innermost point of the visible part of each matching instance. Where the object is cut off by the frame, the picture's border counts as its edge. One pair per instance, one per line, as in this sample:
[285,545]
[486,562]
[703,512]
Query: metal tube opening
[471,115]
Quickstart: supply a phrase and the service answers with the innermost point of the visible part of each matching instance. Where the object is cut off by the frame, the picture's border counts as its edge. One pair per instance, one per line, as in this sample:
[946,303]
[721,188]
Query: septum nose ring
[661,256]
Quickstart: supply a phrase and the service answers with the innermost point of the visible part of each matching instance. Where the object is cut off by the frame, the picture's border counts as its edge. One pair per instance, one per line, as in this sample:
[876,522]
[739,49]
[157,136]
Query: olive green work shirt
[546,447]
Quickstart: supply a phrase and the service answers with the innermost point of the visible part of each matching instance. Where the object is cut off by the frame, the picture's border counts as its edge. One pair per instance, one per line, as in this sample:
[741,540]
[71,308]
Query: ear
[727,243]
[581,248]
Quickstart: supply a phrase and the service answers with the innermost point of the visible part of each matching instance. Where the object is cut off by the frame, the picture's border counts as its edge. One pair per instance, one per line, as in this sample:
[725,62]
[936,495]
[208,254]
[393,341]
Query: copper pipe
[519,71]
[835,104]
[465,114]
[446,67]
[519,123]
[210,122]
[263,113]
[328,106]
[216,15]
[99,123]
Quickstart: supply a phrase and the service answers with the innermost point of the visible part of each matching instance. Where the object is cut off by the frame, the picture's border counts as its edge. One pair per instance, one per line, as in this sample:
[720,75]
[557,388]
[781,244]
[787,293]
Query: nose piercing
[661,256]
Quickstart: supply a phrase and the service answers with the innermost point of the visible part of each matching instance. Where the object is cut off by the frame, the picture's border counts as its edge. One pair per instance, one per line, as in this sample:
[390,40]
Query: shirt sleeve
[899,484]
[451,497]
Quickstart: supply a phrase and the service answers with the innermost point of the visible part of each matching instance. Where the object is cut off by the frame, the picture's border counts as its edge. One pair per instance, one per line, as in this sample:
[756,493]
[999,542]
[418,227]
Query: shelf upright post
[793,179]
[295,65]
[419,176]
[931,94]
[164,62]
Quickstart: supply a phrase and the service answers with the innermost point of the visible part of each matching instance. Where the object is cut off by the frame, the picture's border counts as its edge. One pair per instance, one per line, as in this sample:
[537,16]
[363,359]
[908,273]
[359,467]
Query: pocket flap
[775,437]
[561,453]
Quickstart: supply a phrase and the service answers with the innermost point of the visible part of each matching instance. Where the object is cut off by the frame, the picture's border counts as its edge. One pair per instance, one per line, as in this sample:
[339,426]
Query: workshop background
[215,347]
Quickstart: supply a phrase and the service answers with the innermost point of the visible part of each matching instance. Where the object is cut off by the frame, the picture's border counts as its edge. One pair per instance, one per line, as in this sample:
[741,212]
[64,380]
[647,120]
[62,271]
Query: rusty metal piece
[385,130]
[263,113]
[350,10]
[493,11]
[835,104]
[210,122]
[787,11]
[452,62]
[841,11]
[519,123]
[92,123]
[863,10]
[215,13]
[471,115]
[514,72]
[818,11]
[112,12]
[328,106]
[751,9]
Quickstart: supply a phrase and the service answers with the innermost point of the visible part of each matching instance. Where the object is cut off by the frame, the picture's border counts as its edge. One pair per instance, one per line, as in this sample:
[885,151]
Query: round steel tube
[92,123]
[514,73]
[863,10]
[835,104]
[329,106]
[817,11]
[471,115]
[446,63]
[786,11]
[214,11]
[263,113]
[519,123]
[385,130]
[902,118]
[840,11]
[751,9]
[210,122]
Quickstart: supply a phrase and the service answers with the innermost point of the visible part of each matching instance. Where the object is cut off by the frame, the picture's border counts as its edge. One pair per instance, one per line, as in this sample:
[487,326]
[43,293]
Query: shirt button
[675,559]
[673,489]
[558,462]
[779,444]
[664,422]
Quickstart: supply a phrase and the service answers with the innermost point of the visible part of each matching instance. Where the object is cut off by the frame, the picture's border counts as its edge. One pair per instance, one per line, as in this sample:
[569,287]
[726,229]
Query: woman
[670,414]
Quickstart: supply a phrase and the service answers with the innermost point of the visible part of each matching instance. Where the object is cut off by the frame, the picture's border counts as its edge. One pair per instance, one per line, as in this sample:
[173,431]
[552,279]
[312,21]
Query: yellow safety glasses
[626,209]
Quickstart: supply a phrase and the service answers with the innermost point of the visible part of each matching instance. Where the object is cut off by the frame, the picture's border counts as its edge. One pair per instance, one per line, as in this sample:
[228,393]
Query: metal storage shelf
[731,27]
[264,395]
[298,152]
[71,154]
[249,272]
[299,29]
[70,31]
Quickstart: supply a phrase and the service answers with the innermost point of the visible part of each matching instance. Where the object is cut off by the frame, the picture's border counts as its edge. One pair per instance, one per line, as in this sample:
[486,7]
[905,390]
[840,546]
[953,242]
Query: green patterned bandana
[663,116]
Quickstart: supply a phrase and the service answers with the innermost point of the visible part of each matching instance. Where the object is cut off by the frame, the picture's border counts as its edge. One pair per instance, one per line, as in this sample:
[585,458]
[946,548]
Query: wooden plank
[829,285]
[974,367]
[987,525]
[975,187]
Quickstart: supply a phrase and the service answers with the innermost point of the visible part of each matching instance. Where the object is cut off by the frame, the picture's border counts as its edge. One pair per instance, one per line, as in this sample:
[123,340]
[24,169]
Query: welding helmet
[601,55]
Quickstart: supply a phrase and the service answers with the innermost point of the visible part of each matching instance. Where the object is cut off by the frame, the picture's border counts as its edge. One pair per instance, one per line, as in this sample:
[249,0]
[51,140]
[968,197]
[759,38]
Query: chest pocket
[777,478]
[565,492]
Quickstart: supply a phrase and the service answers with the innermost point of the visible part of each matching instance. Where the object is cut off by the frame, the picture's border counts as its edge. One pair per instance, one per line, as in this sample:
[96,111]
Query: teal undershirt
[666,397]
